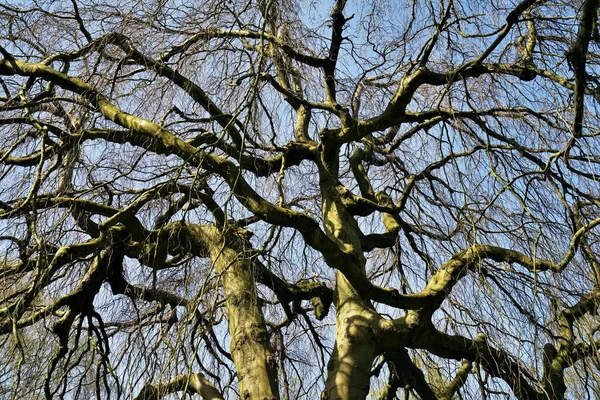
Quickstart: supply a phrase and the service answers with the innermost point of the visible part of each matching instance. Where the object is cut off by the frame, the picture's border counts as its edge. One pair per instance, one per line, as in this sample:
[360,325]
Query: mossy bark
[250,346]
[348,370]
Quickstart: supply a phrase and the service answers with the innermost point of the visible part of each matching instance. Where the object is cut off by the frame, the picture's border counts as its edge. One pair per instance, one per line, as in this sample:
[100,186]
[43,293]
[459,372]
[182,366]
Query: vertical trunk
[250,347]
[349,369]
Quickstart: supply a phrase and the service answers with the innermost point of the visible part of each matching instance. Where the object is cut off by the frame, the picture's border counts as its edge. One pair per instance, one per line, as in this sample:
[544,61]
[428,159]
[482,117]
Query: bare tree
[276,199]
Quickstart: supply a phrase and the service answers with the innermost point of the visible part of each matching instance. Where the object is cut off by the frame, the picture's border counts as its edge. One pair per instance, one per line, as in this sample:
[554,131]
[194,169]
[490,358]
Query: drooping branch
[496,362]
[293,53]
[409,375]
[192,384]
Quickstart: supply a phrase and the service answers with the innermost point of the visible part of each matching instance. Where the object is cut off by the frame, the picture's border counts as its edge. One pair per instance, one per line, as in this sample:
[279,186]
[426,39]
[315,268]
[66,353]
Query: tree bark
[194,383]
[250,347]
[348,370]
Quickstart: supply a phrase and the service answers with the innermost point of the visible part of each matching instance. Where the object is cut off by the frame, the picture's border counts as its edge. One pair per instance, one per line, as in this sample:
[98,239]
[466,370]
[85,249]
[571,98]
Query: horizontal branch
[192,384]
[312,61]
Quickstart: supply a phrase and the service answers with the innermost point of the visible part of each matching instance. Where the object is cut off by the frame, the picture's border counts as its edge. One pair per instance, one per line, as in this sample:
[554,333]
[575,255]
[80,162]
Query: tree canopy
[281,199]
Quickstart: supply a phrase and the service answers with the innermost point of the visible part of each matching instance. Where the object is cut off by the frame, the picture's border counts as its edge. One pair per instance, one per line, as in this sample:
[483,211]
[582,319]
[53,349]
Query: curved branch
[192,384]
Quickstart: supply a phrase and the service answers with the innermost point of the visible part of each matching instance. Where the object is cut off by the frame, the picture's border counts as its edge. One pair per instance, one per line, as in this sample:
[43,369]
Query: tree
[274,199]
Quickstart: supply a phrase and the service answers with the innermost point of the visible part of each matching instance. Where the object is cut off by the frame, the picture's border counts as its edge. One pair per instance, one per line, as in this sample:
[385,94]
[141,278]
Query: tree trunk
[250,347]
[354,351]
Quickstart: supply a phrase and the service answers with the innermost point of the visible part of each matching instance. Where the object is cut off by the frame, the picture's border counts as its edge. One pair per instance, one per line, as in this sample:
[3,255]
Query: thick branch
[577,57]
[192,384]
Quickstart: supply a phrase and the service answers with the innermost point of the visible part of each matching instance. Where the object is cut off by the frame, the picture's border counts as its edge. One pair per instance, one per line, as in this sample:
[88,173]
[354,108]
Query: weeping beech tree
[282,199]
